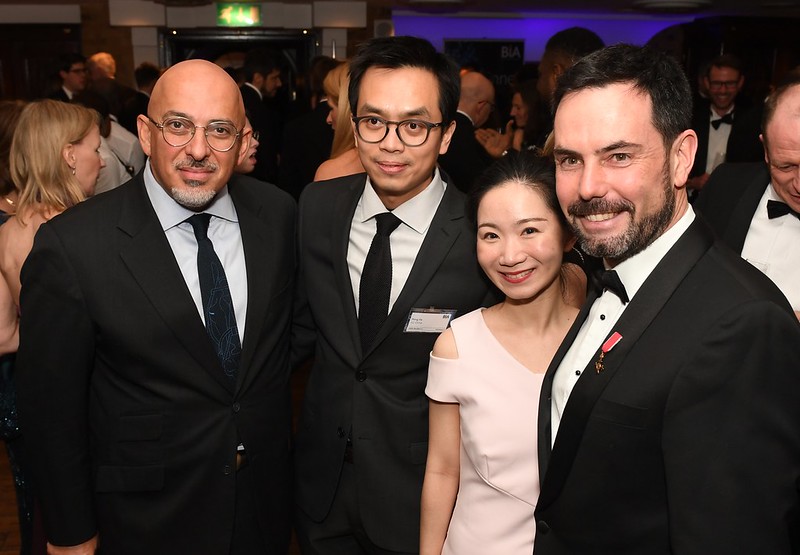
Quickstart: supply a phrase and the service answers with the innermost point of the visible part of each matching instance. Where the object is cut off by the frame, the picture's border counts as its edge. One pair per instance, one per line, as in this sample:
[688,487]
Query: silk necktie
[217,300]
[727,118]
[776,209]
[609,279]
[376,281]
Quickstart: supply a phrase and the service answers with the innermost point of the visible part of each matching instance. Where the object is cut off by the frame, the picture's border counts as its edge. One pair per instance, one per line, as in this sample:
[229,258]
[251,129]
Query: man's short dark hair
[648,70]
[725,60]
[574,43]
[66,61]
[146,74]
[259,60]
[407,52]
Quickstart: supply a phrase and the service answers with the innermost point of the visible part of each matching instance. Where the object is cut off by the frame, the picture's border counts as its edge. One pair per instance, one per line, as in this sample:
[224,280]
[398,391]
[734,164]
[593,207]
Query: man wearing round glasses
[154,359]
[386,259]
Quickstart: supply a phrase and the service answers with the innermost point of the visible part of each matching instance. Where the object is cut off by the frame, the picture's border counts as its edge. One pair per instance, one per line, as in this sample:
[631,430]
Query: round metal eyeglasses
[411,132]
[220,135]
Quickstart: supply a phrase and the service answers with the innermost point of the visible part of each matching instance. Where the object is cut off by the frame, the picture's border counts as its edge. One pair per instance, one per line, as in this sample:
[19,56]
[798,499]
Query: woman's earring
[73,171]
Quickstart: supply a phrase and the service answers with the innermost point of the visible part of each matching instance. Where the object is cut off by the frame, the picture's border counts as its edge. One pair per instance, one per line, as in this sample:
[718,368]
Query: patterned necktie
[217,300]
[727,118]
[609,279]
[376,281]
[776,209]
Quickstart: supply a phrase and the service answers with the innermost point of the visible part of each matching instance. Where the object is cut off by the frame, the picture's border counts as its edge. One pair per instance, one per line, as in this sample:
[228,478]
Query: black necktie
[727,118]
[217,300]
[776,209]
[376,281]
[609,279]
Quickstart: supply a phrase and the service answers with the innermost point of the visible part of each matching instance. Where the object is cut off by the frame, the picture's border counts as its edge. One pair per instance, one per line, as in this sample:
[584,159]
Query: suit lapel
[444,230]
[742,215]
[150,260]
[343,210]
[643,308]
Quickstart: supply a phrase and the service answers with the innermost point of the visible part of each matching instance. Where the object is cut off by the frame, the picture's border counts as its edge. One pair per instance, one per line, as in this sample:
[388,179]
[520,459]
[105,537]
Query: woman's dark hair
[526,167]
[537,114]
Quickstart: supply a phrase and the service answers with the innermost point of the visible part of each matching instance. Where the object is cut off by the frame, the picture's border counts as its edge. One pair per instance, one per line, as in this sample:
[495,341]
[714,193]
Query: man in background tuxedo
[73,75]
[755,208]
[727,131]
[387,258]
[154,358]
[466,159]
[668,419]
[262,73]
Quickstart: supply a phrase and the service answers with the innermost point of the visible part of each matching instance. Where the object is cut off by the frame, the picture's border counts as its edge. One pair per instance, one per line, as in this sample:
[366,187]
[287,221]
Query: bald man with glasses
[154,359]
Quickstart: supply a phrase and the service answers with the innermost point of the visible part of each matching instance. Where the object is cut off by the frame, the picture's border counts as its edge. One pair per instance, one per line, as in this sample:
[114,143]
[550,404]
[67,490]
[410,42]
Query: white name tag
[429,320]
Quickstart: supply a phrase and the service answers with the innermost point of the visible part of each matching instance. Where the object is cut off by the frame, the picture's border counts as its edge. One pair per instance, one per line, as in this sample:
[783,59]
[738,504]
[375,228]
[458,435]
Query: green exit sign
[238,15]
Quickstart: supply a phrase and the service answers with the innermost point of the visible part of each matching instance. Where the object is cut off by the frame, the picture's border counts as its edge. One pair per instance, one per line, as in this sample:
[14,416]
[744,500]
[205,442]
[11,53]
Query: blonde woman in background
[344,156]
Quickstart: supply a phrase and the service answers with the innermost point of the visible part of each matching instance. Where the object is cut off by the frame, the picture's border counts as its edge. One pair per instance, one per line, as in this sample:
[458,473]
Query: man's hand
[493,142]
[86,548]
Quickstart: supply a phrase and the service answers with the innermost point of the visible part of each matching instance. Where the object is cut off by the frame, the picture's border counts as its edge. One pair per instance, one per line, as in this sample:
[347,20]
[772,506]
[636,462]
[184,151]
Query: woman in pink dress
[481,480]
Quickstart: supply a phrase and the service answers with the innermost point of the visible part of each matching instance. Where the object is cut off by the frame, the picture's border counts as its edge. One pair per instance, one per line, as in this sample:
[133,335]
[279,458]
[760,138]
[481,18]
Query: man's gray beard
[193,199]
[638,236]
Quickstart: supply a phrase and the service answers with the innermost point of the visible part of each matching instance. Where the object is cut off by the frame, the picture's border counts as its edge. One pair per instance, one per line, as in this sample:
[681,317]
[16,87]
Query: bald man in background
[154,426]
[466,158]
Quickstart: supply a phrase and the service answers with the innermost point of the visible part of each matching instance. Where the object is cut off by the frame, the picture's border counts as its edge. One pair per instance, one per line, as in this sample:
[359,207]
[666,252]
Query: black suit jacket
[58,94]
[689,440]
[743,142]
[465,159]
[307,142]
[135,105]
[267,123]
[377,396]
[730,198]
[131,426]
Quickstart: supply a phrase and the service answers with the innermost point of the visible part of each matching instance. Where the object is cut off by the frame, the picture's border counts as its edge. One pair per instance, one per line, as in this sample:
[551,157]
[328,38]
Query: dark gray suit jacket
[689,440]
[131,426]
[377,396]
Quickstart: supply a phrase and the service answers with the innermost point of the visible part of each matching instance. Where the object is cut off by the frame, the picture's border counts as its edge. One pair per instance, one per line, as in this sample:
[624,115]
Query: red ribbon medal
[610,343]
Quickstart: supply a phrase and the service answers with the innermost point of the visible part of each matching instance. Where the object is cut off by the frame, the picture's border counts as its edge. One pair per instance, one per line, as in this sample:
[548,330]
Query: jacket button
[236,407]
[361,376]
[226,470]
[340,432]
[542,527]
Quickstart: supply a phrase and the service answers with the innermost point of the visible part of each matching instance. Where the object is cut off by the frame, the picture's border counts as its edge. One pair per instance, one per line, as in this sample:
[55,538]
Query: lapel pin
[610,343]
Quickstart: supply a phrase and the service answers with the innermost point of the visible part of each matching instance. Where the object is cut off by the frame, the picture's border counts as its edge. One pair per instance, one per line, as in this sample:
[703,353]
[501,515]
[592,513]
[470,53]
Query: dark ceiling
[700,8]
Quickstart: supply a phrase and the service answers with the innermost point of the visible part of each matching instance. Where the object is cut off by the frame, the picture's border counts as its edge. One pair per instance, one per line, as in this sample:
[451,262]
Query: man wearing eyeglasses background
[466,158]
[73,76]
[727,130]
[386,259]
[154,360]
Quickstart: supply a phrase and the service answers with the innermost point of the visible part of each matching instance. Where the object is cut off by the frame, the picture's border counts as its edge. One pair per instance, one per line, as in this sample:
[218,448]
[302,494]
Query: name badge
[428,320]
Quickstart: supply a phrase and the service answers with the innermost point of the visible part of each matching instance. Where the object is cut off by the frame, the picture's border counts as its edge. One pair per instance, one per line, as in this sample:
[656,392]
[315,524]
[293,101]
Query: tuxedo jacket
[131,424]
[730,199]
[307,142]
[267,123]
[376,397]
[688,440]
[465,158]
[743,142]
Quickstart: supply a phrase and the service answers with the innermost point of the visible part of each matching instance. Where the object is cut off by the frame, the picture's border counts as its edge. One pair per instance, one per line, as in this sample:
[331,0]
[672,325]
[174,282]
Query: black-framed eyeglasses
[411,132]
[723,84]
[177,131]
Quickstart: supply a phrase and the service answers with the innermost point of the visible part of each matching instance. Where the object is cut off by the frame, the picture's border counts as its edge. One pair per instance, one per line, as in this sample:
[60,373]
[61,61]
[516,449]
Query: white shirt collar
[635,270]
[467,116]
[252,86]
[170,213]
[417,212]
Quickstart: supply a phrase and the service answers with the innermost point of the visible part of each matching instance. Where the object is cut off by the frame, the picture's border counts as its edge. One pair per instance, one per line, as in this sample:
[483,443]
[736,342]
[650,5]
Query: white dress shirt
[223,231]
[416,215]
[773,246]
[717,141]
[605,313]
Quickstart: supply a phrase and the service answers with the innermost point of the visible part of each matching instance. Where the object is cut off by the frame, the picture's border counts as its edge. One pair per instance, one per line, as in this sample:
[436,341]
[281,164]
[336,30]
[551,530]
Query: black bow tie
[609,279]
[776,209]
[727,118]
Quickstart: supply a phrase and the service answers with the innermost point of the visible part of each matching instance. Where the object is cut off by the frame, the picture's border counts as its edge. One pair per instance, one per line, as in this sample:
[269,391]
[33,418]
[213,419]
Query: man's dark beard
[639,234]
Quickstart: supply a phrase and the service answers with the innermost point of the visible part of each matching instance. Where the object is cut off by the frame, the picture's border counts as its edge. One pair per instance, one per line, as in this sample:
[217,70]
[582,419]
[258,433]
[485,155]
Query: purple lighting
[533,29]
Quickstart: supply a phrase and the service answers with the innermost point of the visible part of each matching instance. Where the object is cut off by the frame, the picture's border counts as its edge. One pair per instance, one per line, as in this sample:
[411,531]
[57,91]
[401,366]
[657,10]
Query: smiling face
[616,182]
[520,241]
[202,92]
[519,111]
[723,84]
[399,172]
